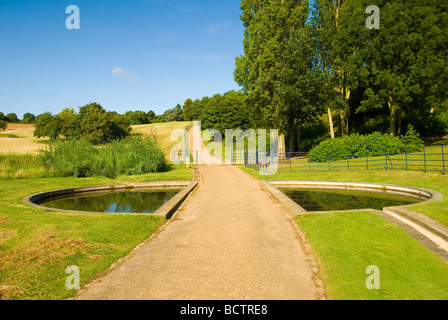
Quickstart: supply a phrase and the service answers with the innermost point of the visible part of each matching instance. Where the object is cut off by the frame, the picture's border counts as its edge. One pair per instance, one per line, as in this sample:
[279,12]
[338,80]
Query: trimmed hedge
[357,146]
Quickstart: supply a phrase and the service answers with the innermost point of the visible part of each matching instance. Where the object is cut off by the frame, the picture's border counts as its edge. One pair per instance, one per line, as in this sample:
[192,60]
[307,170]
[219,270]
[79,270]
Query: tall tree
[28,118]
[342,34]
[186,109]
[407,59]
[226,112]
[271,36]
[12,117]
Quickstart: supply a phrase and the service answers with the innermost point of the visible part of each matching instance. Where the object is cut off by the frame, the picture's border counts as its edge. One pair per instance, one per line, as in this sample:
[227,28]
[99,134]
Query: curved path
[230,240]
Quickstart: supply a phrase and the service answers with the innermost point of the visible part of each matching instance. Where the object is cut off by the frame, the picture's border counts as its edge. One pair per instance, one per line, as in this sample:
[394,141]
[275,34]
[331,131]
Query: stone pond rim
[167,210]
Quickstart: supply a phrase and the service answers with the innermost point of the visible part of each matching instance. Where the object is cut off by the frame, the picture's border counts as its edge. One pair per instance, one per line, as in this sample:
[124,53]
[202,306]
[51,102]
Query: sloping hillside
[162,131]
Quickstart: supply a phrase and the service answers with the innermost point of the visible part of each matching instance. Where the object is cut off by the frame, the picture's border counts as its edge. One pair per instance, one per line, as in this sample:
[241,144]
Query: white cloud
[121,73]
[220,27]
[203,58]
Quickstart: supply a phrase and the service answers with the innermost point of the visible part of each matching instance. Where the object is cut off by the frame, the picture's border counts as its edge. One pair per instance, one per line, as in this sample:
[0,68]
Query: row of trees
[302,63]
[93,123]
[220,112]
[12,118]
[96,125]
[134,117]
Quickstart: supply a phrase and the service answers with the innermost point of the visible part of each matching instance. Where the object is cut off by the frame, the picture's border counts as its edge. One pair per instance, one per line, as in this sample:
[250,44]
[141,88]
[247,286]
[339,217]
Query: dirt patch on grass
[45,247]
[4,220]
[5,235]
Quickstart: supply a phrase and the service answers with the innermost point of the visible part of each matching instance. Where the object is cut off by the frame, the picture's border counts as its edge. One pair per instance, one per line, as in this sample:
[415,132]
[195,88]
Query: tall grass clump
[15,166]
[80,158]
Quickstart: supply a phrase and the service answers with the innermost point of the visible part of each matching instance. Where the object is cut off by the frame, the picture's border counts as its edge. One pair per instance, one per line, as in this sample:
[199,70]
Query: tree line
[314,72]
[308,67]
[12,118]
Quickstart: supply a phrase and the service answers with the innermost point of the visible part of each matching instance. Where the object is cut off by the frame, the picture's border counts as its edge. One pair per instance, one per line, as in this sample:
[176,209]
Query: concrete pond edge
[405,211]
[167,210]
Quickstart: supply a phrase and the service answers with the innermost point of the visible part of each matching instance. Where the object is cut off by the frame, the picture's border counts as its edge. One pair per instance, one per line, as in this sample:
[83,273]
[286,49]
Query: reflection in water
[116,202]
[335,200]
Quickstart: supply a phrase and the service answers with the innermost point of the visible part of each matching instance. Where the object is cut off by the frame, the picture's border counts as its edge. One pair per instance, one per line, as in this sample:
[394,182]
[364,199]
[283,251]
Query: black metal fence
[433,160]
[428,160]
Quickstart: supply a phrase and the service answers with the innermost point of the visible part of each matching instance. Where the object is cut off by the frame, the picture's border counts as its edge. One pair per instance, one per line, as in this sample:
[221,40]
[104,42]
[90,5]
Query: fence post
[443,160]
[290,165]
[424,155]
[406,152]
[367,160]
[386,160]
[231,157]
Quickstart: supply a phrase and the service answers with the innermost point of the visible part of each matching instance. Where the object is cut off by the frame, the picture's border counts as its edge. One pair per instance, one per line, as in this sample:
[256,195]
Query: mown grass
[437,210]
[36,246]
[348,243]
[433,159]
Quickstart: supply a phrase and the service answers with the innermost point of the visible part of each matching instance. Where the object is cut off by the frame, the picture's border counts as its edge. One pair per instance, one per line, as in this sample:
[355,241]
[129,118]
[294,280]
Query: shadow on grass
[436,141]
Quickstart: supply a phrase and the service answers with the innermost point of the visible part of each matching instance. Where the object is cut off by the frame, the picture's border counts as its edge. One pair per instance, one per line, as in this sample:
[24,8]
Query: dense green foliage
[3,124]
[356,145]
[80,158]
[220,112]
[225,112]
[174,115]
[303,63]
[28,118]
[92,123]
[139,117]
[313,70]
[12,117]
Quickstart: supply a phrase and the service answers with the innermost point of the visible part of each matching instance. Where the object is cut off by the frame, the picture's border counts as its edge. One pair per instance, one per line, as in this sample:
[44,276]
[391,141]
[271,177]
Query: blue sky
[127,55]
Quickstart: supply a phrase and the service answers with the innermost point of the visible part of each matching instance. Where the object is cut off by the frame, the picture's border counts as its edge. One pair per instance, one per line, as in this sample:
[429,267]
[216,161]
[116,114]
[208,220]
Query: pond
[145,201]
[335,200]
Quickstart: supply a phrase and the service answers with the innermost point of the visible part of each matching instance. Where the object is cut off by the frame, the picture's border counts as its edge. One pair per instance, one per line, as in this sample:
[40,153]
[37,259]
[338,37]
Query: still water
[335,200]
[148,201]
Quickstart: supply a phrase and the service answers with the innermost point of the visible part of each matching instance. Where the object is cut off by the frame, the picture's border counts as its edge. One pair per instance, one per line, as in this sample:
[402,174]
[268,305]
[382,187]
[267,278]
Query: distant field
[162,132]
[19,139]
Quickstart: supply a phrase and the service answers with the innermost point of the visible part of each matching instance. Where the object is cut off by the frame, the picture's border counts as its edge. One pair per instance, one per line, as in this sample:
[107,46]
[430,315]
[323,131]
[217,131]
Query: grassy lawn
[36,246]
[437,210]
[348,243]
[430,160]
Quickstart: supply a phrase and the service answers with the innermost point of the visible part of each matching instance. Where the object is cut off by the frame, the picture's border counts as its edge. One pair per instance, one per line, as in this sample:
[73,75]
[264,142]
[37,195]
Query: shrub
[3,125]
[356,145]
[412,140]
[92,123]
[80,158]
